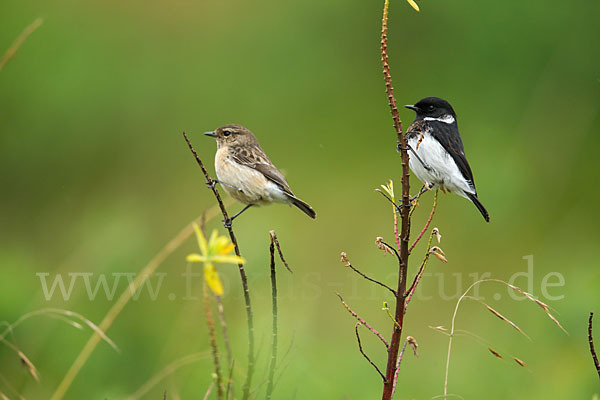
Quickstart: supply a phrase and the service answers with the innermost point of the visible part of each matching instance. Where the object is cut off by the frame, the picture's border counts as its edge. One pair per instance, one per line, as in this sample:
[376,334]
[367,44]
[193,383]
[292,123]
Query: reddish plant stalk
[396,234]
[388,385]
[426,225]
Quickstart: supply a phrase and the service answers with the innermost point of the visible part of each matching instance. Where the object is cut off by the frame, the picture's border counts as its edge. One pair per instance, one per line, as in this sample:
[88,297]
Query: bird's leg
[212,182]
[425,188]
[227,223]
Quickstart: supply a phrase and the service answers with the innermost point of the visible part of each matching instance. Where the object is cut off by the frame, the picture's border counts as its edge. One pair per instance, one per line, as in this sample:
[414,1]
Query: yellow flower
[217,250]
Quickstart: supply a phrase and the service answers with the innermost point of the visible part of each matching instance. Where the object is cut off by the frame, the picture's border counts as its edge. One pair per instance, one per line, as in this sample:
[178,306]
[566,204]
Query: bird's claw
[227,223]
[211,183]
[399,207]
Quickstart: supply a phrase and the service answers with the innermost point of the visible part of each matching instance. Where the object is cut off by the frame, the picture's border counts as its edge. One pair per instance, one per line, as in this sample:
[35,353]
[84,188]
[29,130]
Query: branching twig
[591,339]
[363,353]
[274,238]
[249,315]
[391,250]
[273,363]
[398,366]
[17,44]
[362,321]
[349,265]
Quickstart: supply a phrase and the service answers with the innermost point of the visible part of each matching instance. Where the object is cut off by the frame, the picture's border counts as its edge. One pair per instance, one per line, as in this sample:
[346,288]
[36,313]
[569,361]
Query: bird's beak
[411,107]
[211,134]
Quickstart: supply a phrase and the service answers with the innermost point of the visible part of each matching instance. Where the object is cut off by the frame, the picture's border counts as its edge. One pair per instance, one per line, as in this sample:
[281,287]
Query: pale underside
[245,184]
[443,171]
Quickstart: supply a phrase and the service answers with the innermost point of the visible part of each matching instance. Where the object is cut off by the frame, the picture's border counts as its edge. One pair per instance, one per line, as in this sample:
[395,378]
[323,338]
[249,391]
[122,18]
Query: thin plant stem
[360,348]
[116,309]
[213,341]
[394,347]
[274,239]
[413,286]
[349,265]
[591,340]
[398,366]
[451,336]
[229,388]
[12,50]
[362,321]
[223,321]
[242,271]
[435,198]
[273,363]
[452,329]
[209,390]
[396,235]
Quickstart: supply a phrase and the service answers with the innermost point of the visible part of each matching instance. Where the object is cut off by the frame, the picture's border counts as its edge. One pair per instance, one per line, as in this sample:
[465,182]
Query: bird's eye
[430,108]
[226,133]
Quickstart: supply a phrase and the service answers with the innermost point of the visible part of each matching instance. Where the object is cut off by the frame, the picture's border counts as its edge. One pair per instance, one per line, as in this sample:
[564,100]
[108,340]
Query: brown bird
[246,173]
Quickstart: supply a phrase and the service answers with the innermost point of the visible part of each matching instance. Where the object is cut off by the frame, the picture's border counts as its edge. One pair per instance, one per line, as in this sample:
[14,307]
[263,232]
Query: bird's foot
[227,223]
[399,206]
[211,183]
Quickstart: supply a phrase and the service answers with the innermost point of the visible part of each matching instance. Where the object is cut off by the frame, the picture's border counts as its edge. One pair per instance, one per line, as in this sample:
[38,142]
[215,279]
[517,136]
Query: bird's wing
[447,135]
[256,158]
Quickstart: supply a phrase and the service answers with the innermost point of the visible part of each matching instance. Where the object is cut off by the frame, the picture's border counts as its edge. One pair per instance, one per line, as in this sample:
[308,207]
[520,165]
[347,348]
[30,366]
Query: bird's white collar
[447,119]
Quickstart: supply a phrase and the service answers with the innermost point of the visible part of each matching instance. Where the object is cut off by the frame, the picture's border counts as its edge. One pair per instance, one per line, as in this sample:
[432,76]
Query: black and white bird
[436,152]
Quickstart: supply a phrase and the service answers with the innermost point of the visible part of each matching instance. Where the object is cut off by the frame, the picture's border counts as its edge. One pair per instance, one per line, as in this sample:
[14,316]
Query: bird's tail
[480,207]
[304,207]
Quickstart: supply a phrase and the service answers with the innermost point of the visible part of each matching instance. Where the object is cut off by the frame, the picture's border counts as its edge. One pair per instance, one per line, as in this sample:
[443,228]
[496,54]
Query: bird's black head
[433,107]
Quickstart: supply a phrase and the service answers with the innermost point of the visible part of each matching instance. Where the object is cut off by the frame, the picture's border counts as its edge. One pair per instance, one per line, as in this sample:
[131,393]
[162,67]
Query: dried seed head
[503,318]
[495,352]
[439,328]
[32,370]
[439,253]
[344,259]
[382,246]
[520,362]
[543,305]
[556,322]
[413,343]
[437,234]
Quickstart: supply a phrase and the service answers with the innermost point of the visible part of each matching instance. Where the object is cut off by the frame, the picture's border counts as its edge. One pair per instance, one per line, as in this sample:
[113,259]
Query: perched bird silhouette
[438,156]
[246,173]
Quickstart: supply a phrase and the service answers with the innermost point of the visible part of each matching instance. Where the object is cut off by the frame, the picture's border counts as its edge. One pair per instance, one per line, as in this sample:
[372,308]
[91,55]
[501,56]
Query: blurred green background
[96,177]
